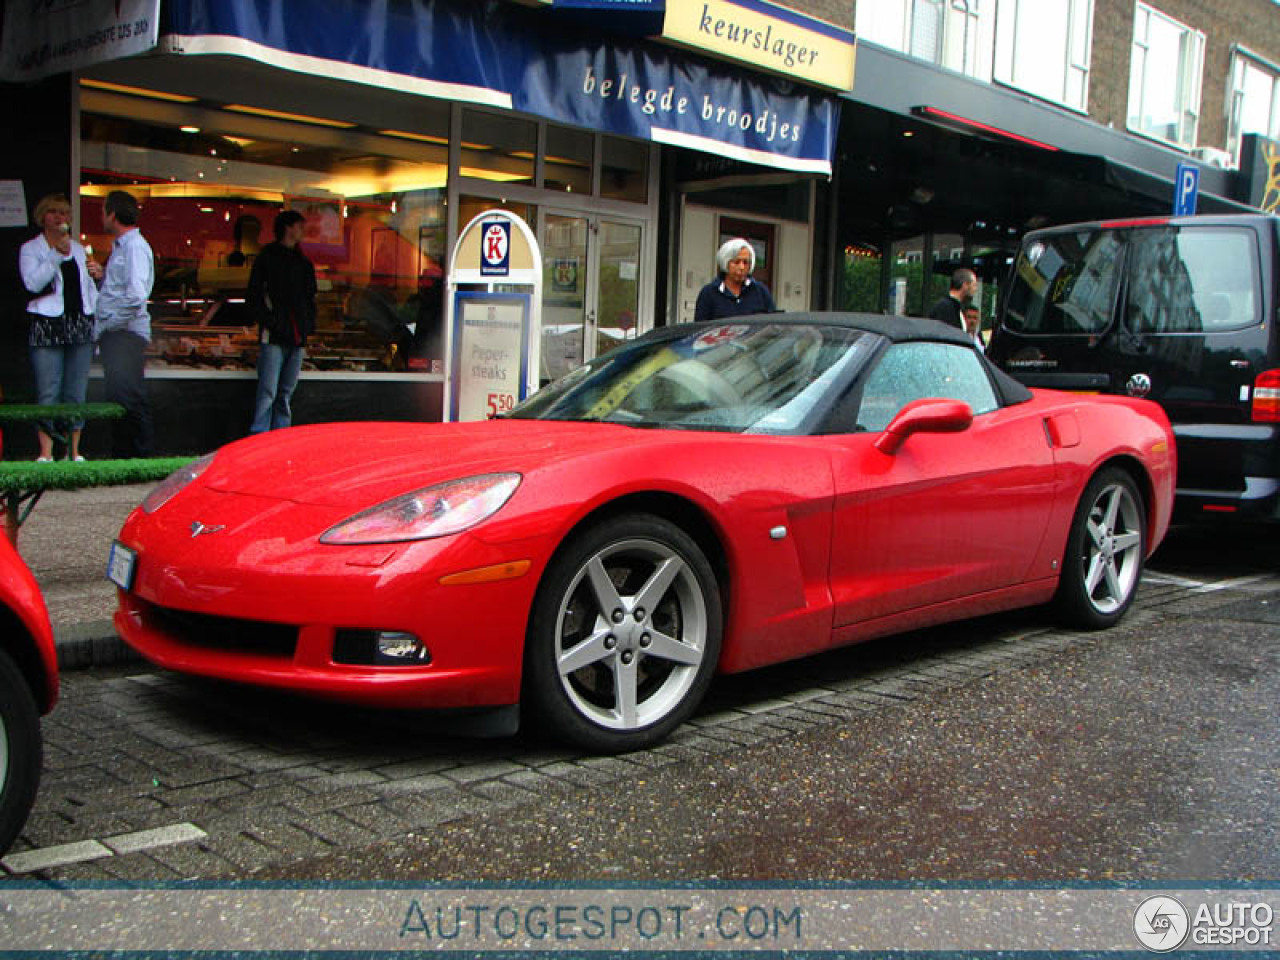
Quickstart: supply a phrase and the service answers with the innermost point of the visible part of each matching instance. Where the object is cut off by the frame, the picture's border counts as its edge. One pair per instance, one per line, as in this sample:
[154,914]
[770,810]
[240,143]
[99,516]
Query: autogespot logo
[1161,924]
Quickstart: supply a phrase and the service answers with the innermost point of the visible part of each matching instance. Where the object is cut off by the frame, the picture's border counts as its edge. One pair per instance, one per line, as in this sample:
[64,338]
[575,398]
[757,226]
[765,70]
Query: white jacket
[41,264]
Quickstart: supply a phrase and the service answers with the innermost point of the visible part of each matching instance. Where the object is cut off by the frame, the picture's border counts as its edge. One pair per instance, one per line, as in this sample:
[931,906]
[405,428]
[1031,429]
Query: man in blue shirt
[734,293]
[124,325]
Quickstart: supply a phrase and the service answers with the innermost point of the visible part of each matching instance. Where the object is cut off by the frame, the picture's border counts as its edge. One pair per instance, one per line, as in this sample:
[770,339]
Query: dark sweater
[282,294]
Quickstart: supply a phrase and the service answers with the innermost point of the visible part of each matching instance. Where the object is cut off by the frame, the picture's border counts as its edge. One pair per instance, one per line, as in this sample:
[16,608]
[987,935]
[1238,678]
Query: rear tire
[1106,552]
[21,750]
[625,635]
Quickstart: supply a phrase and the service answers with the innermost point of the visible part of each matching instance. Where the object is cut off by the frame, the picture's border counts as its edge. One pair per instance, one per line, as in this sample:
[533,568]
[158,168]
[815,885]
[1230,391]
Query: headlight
[434,512]
[174,482]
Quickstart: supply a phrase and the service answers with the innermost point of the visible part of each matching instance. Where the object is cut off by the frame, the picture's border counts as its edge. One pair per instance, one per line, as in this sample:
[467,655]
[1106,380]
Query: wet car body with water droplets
[708,498]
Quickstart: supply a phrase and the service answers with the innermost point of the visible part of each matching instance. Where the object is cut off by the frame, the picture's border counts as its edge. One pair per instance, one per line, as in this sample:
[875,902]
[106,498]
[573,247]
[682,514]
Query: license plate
[121,563]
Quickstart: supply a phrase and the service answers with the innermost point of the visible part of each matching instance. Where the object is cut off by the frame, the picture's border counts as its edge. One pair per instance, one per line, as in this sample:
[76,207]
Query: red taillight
[1266,397]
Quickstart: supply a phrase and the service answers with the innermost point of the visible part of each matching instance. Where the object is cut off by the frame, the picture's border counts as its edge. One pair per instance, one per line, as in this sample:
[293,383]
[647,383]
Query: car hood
[361,464]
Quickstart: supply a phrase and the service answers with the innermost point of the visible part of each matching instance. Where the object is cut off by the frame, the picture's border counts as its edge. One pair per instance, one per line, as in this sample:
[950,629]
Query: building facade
[632,137]
[389,127]
[972,121]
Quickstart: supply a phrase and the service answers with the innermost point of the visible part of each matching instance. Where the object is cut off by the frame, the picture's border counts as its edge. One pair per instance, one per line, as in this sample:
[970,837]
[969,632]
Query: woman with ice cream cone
[55,272]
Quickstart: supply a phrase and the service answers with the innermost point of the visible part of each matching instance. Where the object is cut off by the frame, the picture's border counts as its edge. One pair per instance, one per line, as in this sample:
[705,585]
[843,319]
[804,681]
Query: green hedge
[22,476]
[58,412]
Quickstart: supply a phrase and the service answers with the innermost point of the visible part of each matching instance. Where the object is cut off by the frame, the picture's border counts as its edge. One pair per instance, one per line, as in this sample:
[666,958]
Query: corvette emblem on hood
[198,528]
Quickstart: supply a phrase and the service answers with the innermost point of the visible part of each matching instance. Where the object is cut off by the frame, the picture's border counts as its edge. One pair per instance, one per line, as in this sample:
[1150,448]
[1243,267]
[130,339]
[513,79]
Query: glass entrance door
[590,288]
[618,284]
[565,248]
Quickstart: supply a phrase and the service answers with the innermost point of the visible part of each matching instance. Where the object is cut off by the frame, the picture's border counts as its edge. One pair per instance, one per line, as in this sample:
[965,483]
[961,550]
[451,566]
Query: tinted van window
[1066,284]
[1195,280]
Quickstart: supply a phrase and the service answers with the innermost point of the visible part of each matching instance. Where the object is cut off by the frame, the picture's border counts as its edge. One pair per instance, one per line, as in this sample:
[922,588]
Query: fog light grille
[380,648]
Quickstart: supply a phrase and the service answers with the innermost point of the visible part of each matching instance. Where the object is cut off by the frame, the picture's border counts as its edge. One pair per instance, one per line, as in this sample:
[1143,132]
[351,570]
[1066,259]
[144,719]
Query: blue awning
[507,56]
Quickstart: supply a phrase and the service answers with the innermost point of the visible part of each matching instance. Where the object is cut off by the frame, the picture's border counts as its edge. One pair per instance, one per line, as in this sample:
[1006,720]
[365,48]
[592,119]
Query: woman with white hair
[734,293]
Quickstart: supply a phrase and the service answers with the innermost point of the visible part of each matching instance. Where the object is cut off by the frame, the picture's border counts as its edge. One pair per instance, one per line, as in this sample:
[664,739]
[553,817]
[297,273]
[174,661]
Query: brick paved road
[153,776]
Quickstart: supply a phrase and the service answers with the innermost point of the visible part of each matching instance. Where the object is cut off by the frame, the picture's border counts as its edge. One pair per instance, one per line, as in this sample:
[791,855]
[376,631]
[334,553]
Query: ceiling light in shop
[282,115]
[422,137]
[495,175]
[211,191]
[189,129]
[136,91]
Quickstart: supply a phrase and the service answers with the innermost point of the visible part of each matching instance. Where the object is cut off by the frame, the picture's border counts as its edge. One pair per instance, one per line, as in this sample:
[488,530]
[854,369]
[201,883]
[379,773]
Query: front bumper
[262,601]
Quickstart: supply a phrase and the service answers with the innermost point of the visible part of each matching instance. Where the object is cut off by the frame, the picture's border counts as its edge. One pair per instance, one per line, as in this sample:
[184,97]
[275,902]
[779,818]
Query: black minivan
[1181,310]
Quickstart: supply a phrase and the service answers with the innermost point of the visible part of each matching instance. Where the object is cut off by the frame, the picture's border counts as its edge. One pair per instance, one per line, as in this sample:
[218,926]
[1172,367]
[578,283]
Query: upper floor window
[1164,78]
[956,34]
[1044,46]
[1255,99]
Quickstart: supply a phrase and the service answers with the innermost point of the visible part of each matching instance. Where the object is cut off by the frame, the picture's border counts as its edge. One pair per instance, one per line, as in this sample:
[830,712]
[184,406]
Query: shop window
[907,279]
[859,287]
[1164,78]
[567,164]
[375,230]
[497,147]
[470,207]
[1255,99]
[1044,48]
[948,254]
[624,170]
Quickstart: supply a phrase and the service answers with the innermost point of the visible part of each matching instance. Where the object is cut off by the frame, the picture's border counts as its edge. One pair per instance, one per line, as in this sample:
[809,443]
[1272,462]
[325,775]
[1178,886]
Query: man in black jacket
[282,298]
[964,285]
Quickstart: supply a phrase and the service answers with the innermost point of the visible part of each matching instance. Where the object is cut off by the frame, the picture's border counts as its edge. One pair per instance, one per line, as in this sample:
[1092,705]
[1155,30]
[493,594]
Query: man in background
[964,287]
[282,298]
[973,326]
[123,326]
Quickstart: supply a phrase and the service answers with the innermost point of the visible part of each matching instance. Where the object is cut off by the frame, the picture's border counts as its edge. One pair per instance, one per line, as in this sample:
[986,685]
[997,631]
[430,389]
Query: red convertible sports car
[28,688]
[705,498]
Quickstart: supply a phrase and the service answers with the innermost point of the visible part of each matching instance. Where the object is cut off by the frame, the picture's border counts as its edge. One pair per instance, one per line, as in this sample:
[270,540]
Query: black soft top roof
[890,326]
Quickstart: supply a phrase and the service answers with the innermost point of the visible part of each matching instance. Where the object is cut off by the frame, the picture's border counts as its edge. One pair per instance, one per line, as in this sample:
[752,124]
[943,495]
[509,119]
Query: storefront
[389,128]
[936,170]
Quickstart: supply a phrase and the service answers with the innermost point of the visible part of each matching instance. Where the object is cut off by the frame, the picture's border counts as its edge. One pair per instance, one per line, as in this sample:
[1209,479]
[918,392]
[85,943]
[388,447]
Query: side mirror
[924,416]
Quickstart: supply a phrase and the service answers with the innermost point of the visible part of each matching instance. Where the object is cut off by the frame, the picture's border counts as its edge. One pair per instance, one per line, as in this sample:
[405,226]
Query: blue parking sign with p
[1185,188]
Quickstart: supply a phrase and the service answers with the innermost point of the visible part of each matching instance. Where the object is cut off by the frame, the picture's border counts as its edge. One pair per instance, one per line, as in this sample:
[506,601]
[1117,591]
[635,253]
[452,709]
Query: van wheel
[20,750]
[1106,550]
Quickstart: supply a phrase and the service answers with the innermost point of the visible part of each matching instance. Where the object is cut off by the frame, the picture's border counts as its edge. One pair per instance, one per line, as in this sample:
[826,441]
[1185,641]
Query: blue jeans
[277,376]
[62,376]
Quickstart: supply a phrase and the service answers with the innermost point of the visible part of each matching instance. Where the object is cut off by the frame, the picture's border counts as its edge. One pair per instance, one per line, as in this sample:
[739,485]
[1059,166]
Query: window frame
[1190,74]
[1076,62]
[1240,58]
[964,40]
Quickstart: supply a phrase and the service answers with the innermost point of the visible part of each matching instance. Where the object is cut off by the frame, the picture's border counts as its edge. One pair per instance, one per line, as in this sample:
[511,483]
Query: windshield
[767,378]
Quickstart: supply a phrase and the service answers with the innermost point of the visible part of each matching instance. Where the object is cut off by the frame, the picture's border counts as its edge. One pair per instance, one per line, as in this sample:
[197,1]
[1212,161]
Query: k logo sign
[495,248]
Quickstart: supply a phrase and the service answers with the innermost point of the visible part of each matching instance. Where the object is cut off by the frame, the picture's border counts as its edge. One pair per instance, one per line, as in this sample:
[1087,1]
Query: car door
[948,515]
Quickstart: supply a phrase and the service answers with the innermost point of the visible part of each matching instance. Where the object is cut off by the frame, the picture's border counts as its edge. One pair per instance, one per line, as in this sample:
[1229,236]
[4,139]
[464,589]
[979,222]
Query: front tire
[21,751]
[625,635]
[1106,551]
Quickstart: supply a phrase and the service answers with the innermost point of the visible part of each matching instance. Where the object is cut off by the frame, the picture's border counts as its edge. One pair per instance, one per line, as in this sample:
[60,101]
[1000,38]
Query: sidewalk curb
[92,644]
